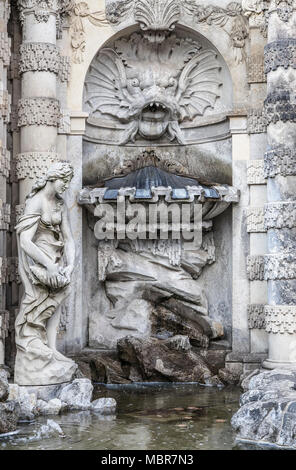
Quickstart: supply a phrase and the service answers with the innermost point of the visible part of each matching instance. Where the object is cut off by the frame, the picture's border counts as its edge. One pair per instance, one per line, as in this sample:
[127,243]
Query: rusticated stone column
[280,171]
[38,110]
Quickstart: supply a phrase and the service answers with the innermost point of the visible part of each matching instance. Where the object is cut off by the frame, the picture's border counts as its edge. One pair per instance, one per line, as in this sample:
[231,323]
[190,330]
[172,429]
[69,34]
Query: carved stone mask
[152,87]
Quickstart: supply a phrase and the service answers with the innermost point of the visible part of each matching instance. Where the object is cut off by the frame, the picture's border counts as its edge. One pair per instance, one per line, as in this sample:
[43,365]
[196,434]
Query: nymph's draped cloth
[36,363]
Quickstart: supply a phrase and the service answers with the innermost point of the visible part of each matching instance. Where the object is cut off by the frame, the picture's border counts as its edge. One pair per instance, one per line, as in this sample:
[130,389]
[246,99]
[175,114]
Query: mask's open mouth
[155,111]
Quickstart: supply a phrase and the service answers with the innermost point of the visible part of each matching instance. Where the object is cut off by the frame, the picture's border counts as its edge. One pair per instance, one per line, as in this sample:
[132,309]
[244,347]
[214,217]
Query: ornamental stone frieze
[4,162]
[9,270]
[5,213]
[256,316]
[280,53]
[280,160]
[280,266]
[5,47]
[257,123]
[158,17]
[255,172]
[65,122]
[280,215]
[4,324]
[34,164]
[255,268]
[255,220]
[16,212]
[39,111]
[42,57]
[279,106]
[14,71]
[280,318]
[5,105]
[256,69]
[4,273]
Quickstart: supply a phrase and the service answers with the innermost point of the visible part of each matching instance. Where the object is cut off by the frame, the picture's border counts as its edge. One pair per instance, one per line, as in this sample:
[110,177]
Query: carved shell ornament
[153,87]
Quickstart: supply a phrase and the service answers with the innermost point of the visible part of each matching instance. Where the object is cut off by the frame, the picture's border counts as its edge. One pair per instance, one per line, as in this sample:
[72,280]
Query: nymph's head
[58,176]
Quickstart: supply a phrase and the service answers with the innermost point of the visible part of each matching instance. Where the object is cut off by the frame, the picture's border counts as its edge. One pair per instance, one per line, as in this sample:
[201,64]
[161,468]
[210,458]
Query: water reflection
[153,417]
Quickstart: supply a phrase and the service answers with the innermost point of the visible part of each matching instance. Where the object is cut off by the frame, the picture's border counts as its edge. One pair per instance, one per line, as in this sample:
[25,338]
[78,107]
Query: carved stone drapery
[280,319]
[255,220]
[255,268]
[280,160]
[256,316]
[230,19]
[79,12]
[255,172]
[280,215]
[42,57]
[34,164]
[39,111]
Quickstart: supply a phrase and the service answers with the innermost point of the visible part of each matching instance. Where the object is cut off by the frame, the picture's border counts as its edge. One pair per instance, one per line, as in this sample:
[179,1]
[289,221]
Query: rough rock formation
[4,387]
[9,415]
[268,408]
[173,359]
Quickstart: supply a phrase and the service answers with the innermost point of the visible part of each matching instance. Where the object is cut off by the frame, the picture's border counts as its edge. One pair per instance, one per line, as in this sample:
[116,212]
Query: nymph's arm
[32,250]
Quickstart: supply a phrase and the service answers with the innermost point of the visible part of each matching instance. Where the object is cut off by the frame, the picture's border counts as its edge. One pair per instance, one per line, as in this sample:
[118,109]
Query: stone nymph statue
[46,261]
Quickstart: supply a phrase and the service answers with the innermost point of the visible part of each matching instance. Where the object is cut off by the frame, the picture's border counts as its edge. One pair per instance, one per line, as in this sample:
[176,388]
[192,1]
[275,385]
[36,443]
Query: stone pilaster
[280,171]
[5,209]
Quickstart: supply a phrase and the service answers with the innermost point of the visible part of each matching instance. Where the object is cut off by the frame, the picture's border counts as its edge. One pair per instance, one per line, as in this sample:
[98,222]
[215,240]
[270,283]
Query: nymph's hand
[53,269]
[67,271]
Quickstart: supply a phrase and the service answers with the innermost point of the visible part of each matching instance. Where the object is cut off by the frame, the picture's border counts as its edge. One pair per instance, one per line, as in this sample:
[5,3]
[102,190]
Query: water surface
[149,417]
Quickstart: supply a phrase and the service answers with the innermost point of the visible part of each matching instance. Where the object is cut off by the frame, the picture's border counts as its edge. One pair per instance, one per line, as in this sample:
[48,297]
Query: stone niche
[158,103]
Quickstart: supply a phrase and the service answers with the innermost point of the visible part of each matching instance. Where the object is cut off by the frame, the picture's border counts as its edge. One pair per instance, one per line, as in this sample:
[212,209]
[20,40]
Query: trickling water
[149,417]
